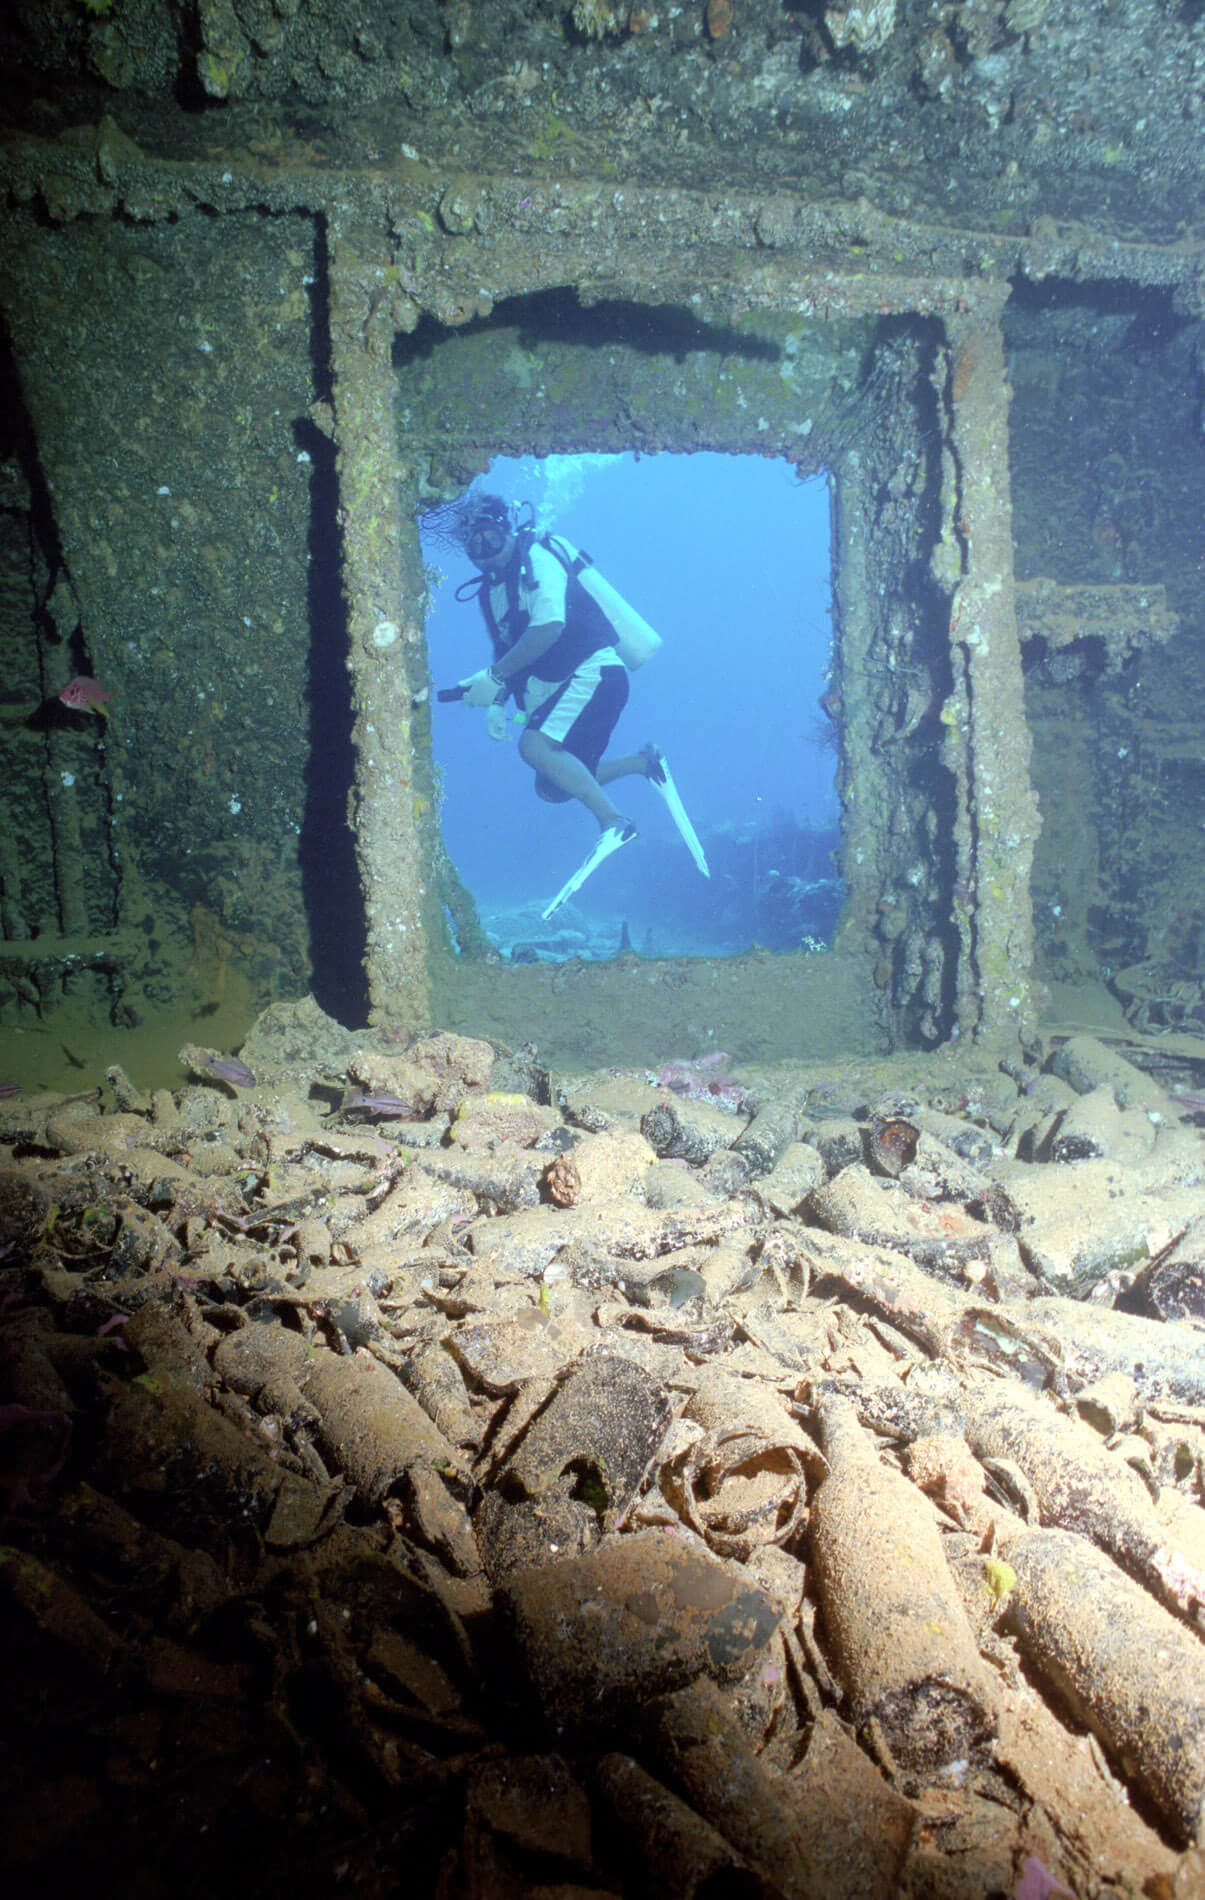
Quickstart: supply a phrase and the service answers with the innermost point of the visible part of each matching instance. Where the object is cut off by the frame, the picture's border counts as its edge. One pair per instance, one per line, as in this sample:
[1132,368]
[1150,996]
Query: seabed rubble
[538,1484]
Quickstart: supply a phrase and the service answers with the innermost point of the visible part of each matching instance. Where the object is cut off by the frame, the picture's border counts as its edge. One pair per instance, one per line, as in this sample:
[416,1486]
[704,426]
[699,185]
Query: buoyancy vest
[596,615]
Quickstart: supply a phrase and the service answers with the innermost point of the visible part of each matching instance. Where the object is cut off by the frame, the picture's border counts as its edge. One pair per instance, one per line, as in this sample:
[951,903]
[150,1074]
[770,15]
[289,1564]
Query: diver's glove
[482,689]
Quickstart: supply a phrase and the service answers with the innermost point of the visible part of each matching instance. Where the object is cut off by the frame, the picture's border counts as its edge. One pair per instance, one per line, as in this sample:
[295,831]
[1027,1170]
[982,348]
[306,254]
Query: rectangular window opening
[729,559]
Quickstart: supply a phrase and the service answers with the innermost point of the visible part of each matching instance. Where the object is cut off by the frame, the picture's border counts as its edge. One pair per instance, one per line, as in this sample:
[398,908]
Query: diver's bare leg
[570,775]
[632,765]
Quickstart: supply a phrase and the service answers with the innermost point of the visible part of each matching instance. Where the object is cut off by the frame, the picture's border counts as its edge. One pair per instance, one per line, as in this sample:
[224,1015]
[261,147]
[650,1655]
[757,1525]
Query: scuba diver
[563,641]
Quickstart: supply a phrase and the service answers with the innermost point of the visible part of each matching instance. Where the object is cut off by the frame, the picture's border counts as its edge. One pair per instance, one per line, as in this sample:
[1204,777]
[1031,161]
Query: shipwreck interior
[502,1415]
[215,512]
[237,379]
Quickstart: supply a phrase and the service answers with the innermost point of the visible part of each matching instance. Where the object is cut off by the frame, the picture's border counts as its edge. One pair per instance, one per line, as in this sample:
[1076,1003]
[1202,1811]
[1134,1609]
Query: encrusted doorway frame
[923,959]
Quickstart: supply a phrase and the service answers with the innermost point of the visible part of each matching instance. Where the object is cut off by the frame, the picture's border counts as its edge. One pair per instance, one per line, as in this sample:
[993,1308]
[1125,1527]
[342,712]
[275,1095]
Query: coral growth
[595,18]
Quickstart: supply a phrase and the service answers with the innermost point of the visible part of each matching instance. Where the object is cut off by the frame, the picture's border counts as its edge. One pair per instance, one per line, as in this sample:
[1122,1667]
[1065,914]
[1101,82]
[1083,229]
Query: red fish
[82,692]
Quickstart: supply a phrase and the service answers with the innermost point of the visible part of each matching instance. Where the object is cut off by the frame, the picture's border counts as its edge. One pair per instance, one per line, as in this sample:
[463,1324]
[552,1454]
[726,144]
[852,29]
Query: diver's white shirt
[542,600]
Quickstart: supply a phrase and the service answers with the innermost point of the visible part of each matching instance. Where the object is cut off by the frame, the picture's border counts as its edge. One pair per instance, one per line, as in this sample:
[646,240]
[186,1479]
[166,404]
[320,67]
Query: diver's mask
[488,536]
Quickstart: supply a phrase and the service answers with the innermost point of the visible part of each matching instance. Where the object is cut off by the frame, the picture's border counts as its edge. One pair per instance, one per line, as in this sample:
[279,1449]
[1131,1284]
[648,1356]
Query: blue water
[728,557]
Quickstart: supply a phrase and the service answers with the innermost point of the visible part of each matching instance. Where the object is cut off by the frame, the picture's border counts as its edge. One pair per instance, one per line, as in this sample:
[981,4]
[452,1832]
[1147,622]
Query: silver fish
[229,1069]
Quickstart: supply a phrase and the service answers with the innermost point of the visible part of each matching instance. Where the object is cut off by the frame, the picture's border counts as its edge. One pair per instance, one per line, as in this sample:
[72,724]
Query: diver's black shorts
[581,716]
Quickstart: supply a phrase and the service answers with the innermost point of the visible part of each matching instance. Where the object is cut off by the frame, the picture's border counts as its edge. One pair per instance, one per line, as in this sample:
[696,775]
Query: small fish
[376,1106]
[703,1080]
[697,1079]
[682,1076]
[8,1090]
[229,1069]
[1038,1883]
[82,692]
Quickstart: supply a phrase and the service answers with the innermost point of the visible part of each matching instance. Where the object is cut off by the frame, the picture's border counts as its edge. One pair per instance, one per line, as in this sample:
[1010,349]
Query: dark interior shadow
[557,316]
[330,878]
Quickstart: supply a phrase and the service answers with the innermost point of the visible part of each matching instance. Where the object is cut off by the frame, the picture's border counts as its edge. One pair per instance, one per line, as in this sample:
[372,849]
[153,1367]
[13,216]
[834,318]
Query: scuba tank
[635,641]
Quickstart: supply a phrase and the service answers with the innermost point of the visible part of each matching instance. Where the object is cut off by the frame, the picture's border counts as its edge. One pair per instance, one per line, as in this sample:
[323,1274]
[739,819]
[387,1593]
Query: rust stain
[966,364]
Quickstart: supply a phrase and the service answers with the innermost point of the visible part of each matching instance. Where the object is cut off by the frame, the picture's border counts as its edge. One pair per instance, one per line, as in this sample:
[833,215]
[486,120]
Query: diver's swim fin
[609,840]
[661,778]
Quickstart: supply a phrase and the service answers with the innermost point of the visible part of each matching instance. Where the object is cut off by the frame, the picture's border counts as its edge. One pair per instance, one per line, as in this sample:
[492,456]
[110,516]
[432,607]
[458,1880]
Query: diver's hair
[449,522]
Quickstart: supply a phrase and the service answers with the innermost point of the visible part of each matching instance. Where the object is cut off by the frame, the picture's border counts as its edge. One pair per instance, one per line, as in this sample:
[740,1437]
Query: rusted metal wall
[214,421]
